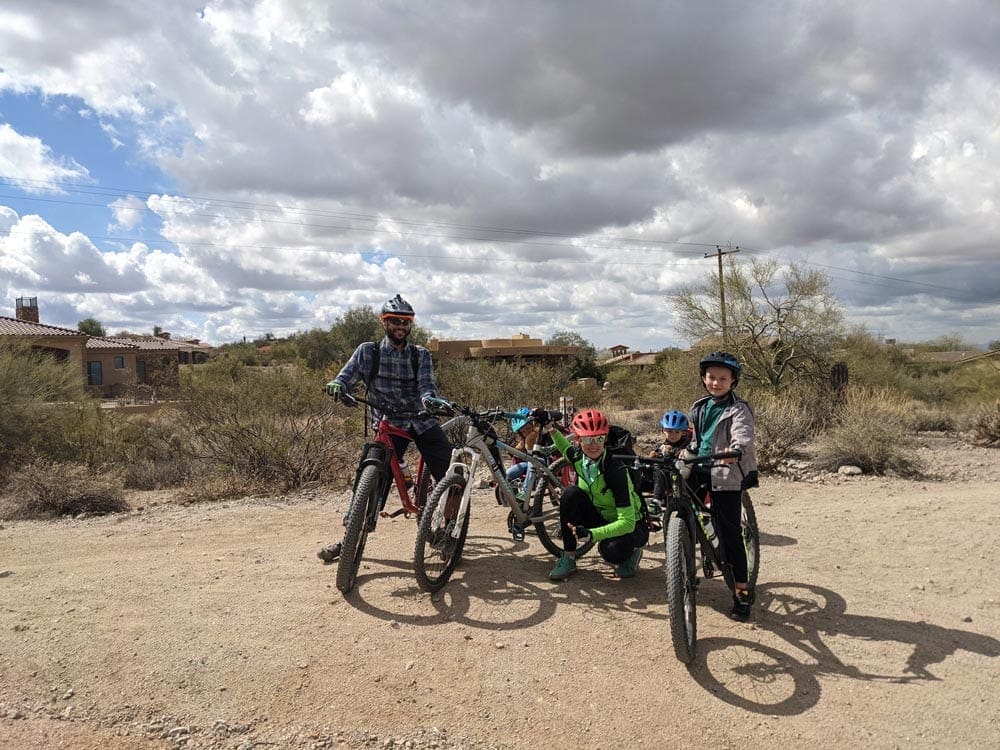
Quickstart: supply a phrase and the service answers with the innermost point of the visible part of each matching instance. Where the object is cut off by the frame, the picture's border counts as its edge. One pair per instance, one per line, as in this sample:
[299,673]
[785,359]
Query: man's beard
[396,338]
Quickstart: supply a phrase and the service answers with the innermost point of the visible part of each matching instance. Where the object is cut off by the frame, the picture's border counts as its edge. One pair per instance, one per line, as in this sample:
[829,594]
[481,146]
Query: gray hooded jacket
[734,432]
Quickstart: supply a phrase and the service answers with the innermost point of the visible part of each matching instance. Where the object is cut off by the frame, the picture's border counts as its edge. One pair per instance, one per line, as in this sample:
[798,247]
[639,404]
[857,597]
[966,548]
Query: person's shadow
[768,680]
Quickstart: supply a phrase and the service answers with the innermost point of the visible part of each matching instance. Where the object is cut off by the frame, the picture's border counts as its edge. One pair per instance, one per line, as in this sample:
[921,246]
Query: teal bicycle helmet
[522,418]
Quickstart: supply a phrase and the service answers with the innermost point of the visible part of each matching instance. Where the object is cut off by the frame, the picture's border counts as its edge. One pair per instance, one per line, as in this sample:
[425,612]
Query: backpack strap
[377,360]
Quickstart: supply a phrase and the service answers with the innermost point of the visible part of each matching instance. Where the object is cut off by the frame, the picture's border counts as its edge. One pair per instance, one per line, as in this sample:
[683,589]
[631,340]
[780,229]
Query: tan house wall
[115,380]
[71,346]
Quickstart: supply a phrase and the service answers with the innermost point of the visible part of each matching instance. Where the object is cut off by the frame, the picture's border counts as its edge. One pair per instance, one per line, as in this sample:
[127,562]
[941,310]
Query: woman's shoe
[627,569]
[563,569]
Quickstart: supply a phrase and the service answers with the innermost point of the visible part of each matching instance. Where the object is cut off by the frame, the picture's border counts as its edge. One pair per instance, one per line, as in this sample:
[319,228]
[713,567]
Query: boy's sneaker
[563,569]
[329,554]
[627,569]
[741,606]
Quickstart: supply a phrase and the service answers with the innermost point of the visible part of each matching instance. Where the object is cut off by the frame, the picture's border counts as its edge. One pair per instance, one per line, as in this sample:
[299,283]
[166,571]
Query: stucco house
[110,365]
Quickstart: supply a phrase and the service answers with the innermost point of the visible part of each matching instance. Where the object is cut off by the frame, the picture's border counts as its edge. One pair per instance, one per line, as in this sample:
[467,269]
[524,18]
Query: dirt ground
[214,625]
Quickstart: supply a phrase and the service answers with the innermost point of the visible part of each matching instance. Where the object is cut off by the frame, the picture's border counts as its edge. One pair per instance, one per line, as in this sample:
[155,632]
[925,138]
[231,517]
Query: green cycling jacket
[612,492]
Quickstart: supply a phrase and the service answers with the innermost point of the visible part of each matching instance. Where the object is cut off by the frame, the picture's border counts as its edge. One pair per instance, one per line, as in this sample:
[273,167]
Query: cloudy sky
[227,169]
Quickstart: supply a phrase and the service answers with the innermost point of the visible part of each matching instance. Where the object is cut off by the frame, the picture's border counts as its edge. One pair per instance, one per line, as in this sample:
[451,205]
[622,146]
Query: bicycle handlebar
[696,461]
[351,399]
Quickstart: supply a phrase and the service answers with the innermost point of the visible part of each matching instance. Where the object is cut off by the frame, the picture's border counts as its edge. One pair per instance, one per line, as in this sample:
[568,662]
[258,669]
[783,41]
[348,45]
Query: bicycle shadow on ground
[767,680]
[503,585]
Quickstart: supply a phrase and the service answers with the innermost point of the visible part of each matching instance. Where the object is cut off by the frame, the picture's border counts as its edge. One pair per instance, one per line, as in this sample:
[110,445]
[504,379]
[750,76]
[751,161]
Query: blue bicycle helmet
[674,420]
[522,418]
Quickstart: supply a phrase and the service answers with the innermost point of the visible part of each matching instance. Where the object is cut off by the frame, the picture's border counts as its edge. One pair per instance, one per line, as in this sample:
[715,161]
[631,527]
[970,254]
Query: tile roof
[148,343]
[98,342]
[15,327]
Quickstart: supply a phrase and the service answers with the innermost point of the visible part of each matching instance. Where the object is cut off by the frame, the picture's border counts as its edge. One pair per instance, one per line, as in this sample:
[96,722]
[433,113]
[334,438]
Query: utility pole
[719,252]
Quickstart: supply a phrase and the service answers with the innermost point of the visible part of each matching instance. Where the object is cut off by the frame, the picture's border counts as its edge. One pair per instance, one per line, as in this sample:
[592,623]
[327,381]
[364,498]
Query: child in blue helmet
[677,437]
[677,433]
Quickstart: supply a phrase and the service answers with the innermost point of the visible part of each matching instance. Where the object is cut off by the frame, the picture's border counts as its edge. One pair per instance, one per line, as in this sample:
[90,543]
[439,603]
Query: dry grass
[986,425]
[869,431]
[46,489]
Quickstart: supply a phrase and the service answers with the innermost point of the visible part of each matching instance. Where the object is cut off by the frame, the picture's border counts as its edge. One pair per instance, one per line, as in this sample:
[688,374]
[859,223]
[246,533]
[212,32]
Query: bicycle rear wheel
[437,551]
[362,506]
[546,501]
[751,540]
[681,588]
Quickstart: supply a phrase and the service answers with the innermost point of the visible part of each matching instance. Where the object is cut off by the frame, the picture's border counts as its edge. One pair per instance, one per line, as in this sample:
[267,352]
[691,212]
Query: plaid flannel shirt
[394,387]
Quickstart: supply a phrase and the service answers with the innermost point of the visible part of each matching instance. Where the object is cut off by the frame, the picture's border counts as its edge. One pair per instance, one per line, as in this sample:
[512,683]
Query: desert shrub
[35,392]
[927,418]
[783,424]
[671,383]
[868,431]
[218,486]
[985,425]
[47,489]
[483,384]
[153,451]
[273,425]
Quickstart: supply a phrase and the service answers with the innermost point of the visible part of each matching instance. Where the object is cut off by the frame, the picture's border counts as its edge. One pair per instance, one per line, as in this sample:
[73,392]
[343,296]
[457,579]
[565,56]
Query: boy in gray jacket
[722,421]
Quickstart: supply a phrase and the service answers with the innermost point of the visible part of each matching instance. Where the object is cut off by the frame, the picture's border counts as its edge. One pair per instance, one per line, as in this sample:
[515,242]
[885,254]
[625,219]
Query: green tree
[993,345]
[782,328]
[91,327]
[584,364]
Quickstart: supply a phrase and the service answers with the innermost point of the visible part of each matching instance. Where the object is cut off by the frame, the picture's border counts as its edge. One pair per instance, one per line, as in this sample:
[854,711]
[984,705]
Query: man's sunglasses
[593,440]
[398,321]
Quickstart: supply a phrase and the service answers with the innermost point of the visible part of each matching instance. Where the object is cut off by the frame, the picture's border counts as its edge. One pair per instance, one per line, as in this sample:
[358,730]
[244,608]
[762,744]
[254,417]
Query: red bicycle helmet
[590,422]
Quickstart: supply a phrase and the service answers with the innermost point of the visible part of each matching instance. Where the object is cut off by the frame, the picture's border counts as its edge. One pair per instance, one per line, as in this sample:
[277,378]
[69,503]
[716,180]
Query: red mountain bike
[378,471]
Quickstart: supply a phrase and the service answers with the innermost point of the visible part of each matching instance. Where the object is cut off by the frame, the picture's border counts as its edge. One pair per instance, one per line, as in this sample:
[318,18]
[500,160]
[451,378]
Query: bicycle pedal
[517,532]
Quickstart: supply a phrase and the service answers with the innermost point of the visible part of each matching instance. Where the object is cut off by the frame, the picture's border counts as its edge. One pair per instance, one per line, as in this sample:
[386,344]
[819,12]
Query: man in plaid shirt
[402,382]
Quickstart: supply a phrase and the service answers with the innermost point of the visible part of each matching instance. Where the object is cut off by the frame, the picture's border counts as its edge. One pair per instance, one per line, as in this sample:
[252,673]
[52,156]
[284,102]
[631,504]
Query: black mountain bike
[689,524]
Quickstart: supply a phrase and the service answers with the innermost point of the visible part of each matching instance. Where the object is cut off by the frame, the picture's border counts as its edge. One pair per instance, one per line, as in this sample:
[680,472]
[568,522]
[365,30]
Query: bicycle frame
[477,451]
[380,452]
[683,500]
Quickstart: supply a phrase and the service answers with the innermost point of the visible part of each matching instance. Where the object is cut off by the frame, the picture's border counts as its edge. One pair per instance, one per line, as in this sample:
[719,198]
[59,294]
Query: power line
[278,208]
[608,242]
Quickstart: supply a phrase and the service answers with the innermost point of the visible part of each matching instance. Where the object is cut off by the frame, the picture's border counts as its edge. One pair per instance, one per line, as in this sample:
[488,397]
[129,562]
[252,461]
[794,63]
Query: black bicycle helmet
[398,306]
[721,359]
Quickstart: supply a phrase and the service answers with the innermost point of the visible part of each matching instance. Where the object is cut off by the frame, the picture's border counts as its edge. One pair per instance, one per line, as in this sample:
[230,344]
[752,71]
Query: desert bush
[47,489]
[484,384]
[272,425]
[218,486]
[35,392]
[784,424]
[985,425]
[927,418]
[869,431]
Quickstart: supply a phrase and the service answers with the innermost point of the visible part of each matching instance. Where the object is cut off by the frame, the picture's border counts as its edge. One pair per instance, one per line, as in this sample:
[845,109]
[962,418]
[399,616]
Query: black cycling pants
[727,508]
[433,446]
[576,508]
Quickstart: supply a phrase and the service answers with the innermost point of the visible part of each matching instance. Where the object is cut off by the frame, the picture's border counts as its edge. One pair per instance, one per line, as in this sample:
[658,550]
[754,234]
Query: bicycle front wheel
[681,588]
[422,488]
[362,506]
[751,540]
[438,549]
[545,505]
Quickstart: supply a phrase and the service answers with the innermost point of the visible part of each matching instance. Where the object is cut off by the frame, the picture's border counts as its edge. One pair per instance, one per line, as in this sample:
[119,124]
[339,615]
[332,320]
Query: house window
[94,374]
[140,370]
[119,363]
